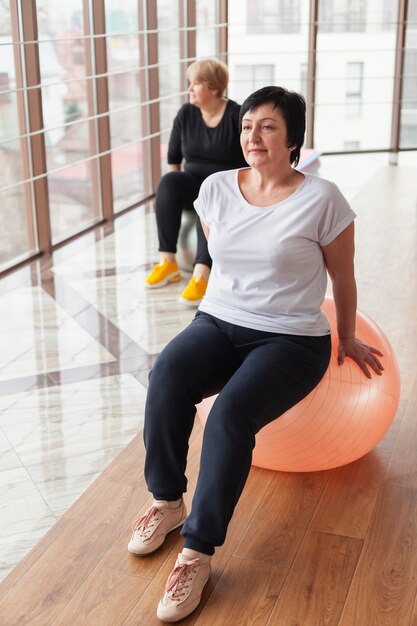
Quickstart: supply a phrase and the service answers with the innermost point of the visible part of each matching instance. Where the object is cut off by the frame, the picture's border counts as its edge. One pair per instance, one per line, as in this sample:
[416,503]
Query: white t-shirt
[268,268]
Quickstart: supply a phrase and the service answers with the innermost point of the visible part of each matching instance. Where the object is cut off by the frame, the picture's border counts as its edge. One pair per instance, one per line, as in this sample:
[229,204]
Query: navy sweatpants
[258,376]
[176,193]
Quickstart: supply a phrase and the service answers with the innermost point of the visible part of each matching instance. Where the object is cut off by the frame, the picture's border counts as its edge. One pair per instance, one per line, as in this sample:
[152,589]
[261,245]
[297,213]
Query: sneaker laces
[144,524]
[179,577]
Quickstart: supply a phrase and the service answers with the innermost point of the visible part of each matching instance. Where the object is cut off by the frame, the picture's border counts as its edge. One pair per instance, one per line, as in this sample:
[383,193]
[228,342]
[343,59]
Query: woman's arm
[206,229]
[338,256]
[175,156]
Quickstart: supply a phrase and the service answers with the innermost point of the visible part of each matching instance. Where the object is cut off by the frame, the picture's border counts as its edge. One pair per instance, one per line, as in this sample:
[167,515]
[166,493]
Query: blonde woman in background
[204,140]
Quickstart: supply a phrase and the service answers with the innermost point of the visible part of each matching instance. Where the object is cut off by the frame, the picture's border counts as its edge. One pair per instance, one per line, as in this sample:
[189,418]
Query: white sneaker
[151,529]
[184,588]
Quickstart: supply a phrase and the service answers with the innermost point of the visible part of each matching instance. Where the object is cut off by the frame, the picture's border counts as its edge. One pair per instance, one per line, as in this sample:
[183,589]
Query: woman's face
[200,93]
[264,137]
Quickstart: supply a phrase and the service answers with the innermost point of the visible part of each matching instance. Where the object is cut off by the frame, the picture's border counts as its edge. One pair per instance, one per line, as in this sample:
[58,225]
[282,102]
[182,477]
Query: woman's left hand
[362,354]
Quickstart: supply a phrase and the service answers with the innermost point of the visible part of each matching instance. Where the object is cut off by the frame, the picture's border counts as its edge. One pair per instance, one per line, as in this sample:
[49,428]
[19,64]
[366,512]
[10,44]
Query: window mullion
[398,80]
[311,72]
[36,143]
[98,103]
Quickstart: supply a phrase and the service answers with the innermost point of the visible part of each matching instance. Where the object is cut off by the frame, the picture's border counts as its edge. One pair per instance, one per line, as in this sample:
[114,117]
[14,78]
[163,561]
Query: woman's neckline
[269,206]
[220,120]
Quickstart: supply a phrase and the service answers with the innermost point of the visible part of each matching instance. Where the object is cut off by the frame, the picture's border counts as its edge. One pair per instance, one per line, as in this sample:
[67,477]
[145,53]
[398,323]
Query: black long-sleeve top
[206,150]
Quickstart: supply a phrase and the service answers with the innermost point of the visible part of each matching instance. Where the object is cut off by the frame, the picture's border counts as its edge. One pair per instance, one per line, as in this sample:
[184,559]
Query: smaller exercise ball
[341,420]
[187,241]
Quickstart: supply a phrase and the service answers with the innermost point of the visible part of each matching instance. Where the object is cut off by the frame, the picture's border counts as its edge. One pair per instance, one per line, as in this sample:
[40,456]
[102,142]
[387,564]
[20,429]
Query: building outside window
[248,78]
[389,15]
[354,83]
[273,16]
[355,74]
[303,79]
[206,19]
[342,16]
[352,146]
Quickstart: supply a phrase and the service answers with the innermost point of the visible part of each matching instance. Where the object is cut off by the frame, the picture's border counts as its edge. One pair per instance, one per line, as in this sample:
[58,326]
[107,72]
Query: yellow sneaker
[163,274]
[194,292]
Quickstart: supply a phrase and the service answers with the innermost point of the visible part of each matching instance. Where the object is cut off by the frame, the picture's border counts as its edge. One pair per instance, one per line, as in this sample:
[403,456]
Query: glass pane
[66,145]
[17,228]
[206,30]
[355,74]
[273,16]
[64,103]
[70,192]
[257,57]
[127,167]
[169,72]
[126,113]
[342,16]
[248,78]
[408,130]
[17,232]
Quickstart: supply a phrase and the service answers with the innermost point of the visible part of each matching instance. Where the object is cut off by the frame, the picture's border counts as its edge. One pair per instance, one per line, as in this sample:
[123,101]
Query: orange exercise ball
[342,419]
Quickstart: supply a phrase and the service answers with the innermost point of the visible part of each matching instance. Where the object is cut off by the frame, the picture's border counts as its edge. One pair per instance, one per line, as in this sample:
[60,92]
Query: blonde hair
[210,71]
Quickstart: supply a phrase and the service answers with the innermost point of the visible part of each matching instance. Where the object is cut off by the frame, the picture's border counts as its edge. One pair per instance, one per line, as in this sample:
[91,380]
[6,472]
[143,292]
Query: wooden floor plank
[279,526]
[414,617]
[318,582]
[106,598]
[46,587]
[32,557]
[245,594]
[350,496]
[403,466]
[385,582]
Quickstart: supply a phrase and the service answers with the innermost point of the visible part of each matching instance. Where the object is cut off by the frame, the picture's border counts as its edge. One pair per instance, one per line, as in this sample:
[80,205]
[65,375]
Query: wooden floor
[329,548]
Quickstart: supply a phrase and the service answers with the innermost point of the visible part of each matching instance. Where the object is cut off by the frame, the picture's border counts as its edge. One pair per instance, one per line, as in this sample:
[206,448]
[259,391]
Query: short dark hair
[293,108]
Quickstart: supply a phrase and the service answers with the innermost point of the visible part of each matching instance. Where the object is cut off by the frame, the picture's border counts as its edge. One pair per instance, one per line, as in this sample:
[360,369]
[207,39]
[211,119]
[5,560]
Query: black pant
[259,376]
[176,192]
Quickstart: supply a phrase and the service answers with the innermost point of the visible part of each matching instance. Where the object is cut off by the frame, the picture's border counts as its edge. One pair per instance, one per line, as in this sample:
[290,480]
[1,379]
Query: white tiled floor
[53,443]
[38,336]
[148,317]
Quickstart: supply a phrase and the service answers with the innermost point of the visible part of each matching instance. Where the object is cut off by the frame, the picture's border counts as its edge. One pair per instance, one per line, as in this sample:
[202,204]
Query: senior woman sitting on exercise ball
[263,341]
[205,135]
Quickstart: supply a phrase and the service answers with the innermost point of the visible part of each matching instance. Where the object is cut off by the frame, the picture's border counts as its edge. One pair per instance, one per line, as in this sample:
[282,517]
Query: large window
[89,90]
